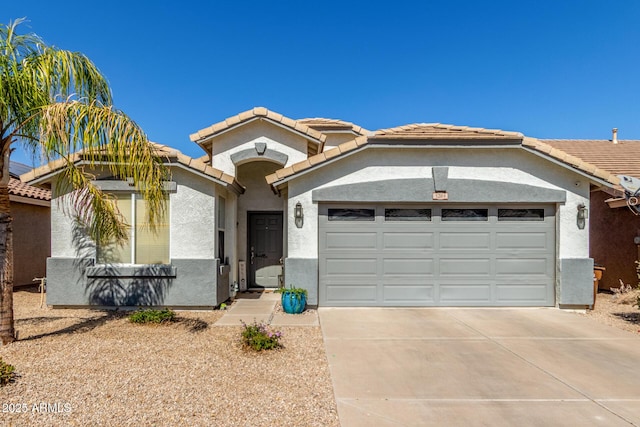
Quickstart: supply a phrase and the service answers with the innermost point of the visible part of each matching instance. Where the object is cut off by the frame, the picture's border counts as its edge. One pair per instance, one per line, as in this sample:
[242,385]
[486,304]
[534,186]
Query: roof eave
[205,141]
[230,183]
[592,178]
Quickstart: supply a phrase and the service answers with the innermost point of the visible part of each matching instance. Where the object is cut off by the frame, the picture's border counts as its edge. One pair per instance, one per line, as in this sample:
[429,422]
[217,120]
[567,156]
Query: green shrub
[6,373]
[259,336]
[150,315]
[292,290]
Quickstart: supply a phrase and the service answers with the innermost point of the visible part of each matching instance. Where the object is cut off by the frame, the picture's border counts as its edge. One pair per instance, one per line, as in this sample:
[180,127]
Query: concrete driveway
[493,367]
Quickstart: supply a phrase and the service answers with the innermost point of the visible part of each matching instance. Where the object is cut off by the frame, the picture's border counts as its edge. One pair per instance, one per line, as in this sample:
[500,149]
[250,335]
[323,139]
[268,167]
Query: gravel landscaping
[84,368]
[618,311]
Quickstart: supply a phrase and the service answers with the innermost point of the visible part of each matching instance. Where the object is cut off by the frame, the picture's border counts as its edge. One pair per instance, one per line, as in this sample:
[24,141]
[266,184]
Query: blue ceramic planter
[292,303]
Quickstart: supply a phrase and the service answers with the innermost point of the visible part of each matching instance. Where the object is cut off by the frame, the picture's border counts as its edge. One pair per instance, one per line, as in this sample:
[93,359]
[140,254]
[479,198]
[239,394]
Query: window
[144,246]
[221,228]
[352,214]
[520,214]
[465,214]
[406,214]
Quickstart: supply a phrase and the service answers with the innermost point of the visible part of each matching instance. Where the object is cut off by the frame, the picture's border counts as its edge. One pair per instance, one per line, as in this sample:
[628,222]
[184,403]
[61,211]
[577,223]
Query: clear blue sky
[547,68]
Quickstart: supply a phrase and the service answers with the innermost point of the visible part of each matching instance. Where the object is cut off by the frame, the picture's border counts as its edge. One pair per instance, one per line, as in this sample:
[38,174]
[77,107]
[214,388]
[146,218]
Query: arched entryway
[260,225]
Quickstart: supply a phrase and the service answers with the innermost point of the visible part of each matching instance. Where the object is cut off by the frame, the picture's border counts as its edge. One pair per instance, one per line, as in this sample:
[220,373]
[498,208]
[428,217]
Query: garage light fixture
[298,214]
[583,214]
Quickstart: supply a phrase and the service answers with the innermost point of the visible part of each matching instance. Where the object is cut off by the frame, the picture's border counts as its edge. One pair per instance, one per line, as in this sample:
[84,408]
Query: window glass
[465,214]
[221,254]
[221,227]
[352,214]
[407,214]
[113,253]
[151,247]
[221,212]
[520,214]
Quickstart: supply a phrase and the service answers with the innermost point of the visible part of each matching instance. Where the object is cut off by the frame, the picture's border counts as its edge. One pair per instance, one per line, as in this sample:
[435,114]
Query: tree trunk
[7,331]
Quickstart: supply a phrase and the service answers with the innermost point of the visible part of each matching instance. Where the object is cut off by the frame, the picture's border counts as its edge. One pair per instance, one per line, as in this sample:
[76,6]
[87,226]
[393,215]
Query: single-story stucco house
[30,208]
[417,215]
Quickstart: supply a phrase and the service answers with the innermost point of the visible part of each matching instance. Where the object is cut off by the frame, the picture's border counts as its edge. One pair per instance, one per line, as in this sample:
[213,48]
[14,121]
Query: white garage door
[436,255]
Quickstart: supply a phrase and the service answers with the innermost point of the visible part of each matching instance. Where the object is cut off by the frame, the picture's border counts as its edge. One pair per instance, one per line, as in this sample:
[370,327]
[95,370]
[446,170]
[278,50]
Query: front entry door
[265,249]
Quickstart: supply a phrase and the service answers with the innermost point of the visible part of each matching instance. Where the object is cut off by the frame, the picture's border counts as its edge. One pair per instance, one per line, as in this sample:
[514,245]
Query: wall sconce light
[583,214]
[298,214]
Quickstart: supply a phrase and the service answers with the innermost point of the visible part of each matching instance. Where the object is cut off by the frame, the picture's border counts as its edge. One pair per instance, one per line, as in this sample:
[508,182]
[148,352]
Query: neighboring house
[613,228]
[418,215]
[30,208]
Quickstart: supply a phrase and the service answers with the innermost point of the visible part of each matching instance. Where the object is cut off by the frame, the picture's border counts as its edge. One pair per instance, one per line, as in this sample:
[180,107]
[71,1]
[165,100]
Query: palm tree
[56,103]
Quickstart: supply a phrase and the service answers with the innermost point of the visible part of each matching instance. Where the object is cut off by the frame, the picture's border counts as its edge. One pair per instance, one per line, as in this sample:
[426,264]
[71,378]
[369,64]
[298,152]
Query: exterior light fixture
[583,214]
[298,214]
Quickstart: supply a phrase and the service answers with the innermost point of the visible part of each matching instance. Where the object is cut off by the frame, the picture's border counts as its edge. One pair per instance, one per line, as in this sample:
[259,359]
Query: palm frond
[106,138]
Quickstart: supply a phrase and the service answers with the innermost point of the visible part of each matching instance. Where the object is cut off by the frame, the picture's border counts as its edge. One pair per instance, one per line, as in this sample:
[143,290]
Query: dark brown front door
[265,249]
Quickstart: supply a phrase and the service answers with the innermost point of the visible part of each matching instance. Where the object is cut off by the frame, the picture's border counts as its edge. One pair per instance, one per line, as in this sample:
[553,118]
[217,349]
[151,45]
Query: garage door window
[402,214]
[465,214]
[520,214]
[352,214]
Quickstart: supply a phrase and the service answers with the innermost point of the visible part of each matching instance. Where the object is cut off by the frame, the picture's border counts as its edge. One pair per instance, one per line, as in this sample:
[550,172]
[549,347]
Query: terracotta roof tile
[332,153]
[347,146]
[318,158]
[437,131]
[441,131]
[322,124]
[622,158]
[171,155]
[19,188]
[301,166]
[246,116]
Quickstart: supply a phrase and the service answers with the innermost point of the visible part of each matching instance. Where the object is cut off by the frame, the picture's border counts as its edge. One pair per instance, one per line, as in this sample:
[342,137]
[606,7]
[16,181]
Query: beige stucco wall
[245,137]
[377,164]
[31,241]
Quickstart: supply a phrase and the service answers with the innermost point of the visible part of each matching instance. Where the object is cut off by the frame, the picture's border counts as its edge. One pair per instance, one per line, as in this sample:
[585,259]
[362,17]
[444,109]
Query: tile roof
[19,188]
[436,131]
[622,158]
[171,155]
[253,114]
[442,131]
[323,125]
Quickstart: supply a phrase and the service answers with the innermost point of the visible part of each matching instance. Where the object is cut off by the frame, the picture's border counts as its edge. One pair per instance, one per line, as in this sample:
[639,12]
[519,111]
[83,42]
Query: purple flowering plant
[259,336]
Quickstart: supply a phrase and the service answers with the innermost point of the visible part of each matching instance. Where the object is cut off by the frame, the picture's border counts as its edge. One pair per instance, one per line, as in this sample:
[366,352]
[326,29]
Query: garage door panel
[434,263]
[522,266]
[407,240]
[352,293]
[351,267]
[519,240]
[464,266]
[407,294]
[527,294]
[408,267]
[465,240]
[462,293]
[351,241]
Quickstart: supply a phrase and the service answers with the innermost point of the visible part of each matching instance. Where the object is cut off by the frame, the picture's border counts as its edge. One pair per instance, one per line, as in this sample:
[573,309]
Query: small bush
[6,373]
[150,315]
[259,336]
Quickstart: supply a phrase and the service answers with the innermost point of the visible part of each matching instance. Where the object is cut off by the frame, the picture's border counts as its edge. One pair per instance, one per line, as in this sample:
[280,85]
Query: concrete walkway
[493,367]
[260,307]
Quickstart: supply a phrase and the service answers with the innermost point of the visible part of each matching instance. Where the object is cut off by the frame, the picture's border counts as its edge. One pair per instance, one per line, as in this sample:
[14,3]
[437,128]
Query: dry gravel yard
[97,369]
[617,311]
